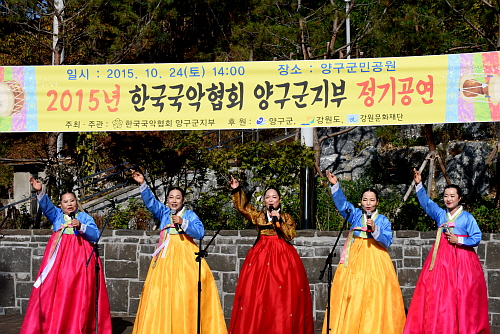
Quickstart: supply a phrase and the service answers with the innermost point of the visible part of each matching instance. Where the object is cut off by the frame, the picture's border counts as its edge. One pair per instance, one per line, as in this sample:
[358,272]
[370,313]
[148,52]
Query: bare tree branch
[336,133]
[472,25]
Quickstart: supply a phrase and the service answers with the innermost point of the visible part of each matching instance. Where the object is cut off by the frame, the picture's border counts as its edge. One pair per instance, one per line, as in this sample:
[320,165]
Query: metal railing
[254,133]
[95,179]
[16,203]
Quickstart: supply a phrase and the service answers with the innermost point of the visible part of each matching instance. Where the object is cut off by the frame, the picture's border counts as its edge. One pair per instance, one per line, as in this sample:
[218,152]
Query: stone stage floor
[11,324]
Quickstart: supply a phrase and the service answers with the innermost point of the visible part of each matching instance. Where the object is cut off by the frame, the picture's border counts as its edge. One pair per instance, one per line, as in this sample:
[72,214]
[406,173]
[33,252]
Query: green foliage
[486,214]
[88,149]
[175,158]
[215,209]
[17,218]
[290,204]
[392,135]
[414,28]
[134,216]
[65,182]
[258,166]
[166,31]
[410,216]
[24,219]
[271,165]
[403,216]
[6,180]
[327,216]
[184,158]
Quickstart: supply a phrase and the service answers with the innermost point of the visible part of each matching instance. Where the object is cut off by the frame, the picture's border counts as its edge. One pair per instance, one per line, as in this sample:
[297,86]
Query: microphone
[274,219]
[73,216]
[368,216]
[178,227]
[446,228]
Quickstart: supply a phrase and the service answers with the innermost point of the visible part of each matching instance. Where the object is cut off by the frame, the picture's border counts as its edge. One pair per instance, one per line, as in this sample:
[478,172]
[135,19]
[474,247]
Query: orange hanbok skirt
[169,301]
[365,295]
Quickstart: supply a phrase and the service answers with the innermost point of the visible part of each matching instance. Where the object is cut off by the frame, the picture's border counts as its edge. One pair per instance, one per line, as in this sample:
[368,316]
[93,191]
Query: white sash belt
[163,246]
[47,268]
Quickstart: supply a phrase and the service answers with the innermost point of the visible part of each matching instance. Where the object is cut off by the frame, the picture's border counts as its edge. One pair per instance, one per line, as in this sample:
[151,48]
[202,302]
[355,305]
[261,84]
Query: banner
[239,95]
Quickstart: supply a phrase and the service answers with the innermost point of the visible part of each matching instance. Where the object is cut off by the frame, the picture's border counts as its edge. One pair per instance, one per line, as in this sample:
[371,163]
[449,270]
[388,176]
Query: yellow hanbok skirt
[365,295]
[169,300]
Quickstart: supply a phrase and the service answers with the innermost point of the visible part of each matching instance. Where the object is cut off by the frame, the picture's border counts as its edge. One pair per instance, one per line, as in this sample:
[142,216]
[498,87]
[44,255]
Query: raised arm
[429,206]
[241,203]
[157,208]
[138,177]
[345,208]
[48,208]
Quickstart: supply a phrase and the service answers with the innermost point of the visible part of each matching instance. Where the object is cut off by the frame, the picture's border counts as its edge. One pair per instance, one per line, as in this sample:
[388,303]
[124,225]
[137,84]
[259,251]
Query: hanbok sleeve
[158,209]
[89,229]
[474,234]
[383,231]
[49,210]
[343,206]
[246,209]
[192,225]
[429,206]
[287,226]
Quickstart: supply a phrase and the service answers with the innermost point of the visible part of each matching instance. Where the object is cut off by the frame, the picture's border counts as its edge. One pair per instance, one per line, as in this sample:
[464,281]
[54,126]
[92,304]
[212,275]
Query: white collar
[455,215]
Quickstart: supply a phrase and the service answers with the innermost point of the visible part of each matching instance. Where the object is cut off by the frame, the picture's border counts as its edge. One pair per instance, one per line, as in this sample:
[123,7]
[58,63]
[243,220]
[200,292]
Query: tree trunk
[52,161]
[431,189]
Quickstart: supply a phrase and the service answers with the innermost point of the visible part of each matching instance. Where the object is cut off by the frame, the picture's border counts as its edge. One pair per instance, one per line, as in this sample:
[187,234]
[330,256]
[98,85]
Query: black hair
[272,188]
[277,191]
[183,193]
[79,206]
[370,190]
[451,186]
[67,192]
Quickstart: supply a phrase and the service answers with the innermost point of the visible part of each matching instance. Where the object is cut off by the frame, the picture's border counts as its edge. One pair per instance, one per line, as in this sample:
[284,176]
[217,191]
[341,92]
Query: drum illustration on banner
[11,98]
[480,87]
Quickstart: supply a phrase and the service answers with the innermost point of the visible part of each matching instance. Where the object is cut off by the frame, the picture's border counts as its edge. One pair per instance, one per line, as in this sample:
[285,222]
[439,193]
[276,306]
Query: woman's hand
[332,178]
[36,184]
[234,183]
[452,238]
[275,213]
[75,223]
[371,224]
[138,177]
[177,220]
[416,176]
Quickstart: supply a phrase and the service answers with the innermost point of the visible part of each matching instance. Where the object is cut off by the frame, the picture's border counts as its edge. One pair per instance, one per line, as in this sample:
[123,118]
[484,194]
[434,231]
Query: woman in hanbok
[451,295]
[365,295]
[169,300]
[272,295]
[63,297]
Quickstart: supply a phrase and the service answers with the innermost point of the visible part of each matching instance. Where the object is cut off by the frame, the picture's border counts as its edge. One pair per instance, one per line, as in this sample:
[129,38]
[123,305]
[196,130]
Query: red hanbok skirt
[272,295]
[65,302]
[452,297]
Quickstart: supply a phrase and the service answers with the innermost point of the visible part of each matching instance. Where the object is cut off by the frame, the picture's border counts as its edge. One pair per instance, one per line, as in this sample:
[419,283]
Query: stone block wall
[127,254]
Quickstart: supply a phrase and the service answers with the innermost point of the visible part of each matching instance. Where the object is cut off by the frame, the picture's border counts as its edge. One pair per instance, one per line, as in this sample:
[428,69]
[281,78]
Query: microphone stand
[328,264]
[202,253]
[97,266]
